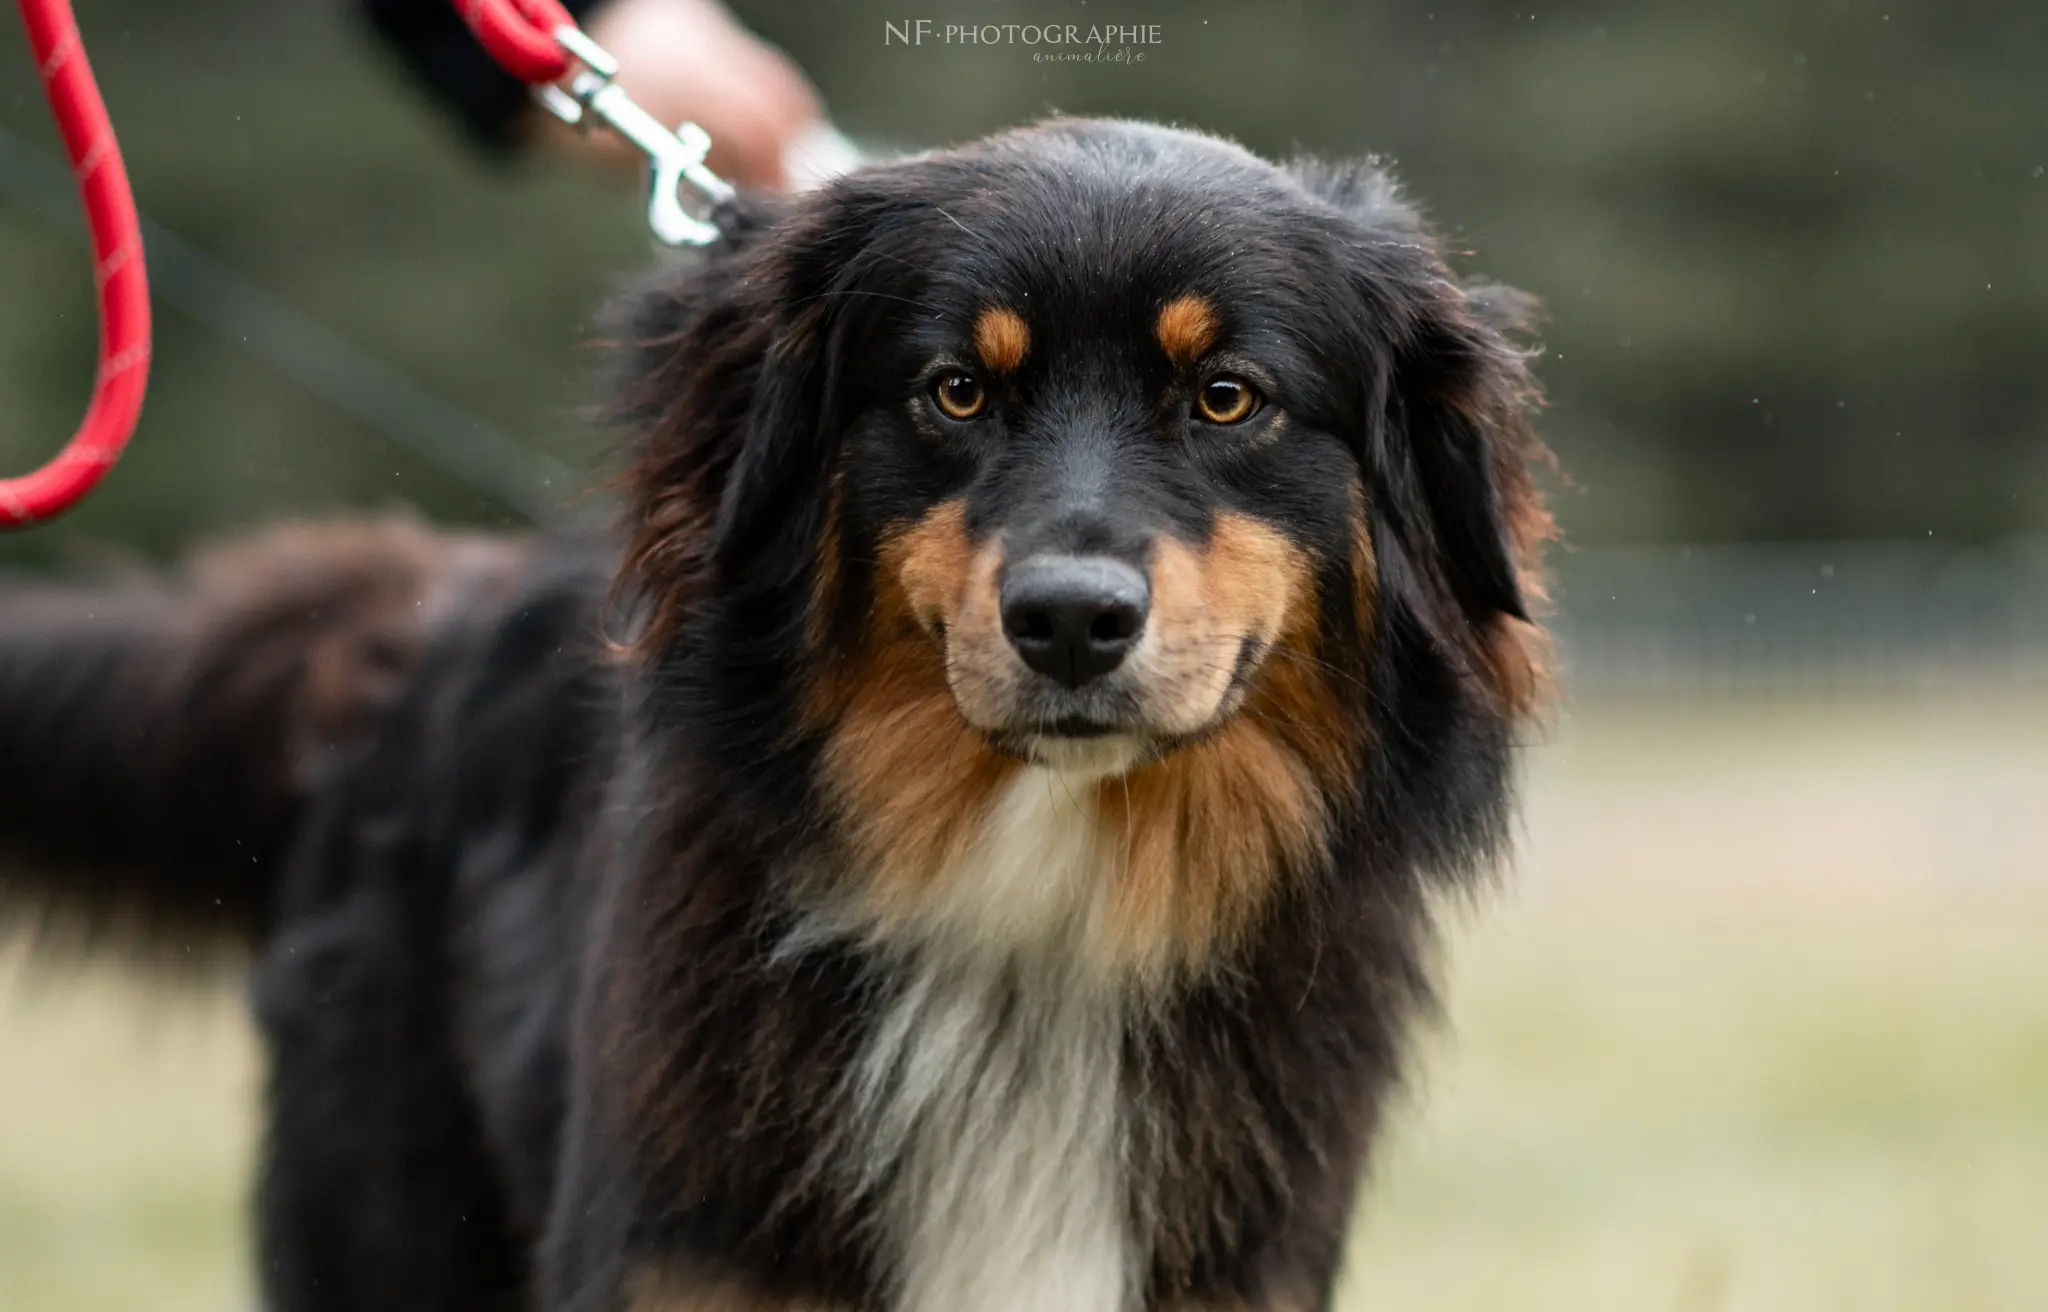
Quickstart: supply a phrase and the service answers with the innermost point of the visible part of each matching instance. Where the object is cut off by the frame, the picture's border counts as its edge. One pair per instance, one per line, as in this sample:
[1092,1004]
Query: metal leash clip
[675,159]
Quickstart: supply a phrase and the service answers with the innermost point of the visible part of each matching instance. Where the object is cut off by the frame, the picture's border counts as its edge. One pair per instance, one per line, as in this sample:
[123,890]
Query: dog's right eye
[959,395]
[1226,399]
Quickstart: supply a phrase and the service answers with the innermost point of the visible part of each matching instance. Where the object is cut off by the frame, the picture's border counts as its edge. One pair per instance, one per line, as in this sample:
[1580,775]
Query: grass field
[1761,1022]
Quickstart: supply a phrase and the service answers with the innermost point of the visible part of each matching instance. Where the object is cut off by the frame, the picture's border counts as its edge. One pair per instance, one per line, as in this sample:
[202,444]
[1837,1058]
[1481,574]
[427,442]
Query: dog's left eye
[959,395]
[1226,399]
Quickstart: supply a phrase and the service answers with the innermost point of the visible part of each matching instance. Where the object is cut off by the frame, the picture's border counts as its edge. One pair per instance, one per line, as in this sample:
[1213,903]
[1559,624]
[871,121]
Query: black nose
[1072,618]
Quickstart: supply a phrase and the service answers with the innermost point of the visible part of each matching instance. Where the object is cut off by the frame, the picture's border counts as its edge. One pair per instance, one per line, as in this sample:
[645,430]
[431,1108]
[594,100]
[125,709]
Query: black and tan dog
[970,850]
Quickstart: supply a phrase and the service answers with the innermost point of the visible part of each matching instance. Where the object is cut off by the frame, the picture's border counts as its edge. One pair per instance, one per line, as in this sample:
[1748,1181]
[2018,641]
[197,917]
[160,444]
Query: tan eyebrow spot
[1001,338]
[1187,328]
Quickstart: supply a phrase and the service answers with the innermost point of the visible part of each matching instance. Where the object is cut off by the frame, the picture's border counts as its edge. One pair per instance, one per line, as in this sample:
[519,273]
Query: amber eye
[959,395]
[1226,400]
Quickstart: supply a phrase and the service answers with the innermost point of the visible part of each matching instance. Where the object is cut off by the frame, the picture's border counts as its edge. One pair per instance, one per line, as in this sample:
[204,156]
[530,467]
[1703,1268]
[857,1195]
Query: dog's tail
[159,736]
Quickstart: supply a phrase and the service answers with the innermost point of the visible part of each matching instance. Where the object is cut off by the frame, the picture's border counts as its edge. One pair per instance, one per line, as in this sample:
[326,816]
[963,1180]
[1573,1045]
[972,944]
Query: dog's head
[1101,446]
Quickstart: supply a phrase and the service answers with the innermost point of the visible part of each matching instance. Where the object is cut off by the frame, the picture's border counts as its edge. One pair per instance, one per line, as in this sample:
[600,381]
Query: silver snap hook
[675,159]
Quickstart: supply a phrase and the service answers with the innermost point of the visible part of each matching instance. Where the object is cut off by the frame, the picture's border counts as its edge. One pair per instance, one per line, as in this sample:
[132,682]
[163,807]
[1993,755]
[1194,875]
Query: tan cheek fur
[1197,840]
[948,584]
[909,777]
[1243,583]
[1209,830]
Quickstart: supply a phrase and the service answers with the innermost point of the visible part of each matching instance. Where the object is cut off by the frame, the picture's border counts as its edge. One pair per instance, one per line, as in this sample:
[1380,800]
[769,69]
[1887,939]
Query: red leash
[117,270]
[520,35]
[535,40]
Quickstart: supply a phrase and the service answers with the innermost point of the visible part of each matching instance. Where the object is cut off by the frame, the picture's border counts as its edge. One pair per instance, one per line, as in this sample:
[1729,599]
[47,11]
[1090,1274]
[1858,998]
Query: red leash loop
[520,35]
[535,41]
[117,270]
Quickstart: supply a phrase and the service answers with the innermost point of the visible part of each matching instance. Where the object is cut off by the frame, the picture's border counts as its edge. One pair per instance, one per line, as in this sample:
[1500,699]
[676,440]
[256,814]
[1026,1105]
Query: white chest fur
[989,1094]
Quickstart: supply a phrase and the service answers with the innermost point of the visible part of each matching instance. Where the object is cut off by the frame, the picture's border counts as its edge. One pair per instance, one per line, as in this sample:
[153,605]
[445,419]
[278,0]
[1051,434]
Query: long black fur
[516,896]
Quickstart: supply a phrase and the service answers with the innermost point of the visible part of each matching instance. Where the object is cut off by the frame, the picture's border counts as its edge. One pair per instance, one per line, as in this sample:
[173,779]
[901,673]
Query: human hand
[691,60]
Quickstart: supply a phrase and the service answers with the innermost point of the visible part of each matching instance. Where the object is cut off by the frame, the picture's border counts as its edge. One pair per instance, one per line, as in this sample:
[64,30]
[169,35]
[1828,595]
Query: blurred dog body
[1073,608]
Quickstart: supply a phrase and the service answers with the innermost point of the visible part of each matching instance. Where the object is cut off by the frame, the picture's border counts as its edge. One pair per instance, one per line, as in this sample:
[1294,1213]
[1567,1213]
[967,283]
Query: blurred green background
[1794,252]
[1762,1019]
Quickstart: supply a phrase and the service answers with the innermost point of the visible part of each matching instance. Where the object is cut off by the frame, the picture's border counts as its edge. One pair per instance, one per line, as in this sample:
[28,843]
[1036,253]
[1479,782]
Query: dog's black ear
[1454,417]
[1446,445]
[732,391]
[1449,389]
[818,309]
